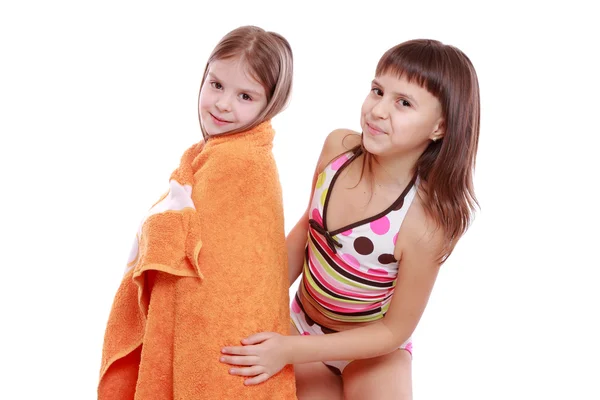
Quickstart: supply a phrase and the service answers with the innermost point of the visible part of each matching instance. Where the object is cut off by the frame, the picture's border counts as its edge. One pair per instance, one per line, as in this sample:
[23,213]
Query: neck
[395,169]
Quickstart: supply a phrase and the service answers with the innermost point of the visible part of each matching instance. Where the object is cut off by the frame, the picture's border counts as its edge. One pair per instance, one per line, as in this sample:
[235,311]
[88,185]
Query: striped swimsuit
[349,274]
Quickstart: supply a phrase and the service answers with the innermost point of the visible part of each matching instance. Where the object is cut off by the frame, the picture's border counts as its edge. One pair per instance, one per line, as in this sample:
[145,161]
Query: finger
[257,338]
[240,360]
[238,350]
[249,371]
[257,379]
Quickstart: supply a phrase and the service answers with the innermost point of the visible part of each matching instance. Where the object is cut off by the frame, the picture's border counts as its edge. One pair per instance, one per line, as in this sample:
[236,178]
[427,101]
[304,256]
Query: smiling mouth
[219,120]
[374,131]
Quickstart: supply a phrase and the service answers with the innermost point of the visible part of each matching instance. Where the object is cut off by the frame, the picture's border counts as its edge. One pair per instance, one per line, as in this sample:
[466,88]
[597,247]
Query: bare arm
[266,353]
[417,274]
[296,242]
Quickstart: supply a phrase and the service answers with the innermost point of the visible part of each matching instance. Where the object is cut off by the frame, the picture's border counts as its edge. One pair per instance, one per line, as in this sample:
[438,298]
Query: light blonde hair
[269,59]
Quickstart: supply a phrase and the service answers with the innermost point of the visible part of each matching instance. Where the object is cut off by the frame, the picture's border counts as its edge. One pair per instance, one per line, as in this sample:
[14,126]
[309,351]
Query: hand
[261,356]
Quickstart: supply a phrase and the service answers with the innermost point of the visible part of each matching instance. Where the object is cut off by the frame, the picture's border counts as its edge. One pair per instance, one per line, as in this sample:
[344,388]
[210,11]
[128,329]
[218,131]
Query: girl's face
[230,98]
[399,117]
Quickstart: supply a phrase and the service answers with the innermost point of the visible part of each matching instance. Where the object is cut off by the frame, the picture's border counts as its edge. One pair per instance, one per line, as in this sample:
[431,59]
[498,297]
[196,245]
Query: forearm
[296,243]
[366,342]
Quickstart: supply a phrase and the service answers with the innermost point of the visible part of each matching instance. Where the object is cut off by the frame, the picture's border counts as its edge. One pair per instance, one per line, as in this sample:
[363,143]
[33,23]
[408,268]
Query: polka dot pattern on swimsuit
[369,246]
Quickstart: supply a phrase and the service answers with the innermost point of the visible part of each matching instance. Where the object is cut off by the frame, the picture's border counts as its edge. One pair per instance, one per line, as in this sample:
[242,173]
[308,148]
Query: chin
[209,130]
[371,146]
[213,130]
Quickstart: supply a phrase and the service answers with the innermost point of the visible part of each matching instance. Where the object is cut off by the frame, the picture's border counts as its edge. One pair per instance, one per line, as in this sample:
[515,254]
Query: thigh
[381,378]
[314,381]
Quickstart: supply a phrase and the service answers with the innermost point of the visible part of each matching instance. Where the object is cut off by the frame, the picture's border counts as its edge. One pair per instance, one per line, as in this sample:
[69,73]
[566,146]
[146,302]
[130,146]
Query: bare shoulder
[337,142]
[341,140]
[420,236]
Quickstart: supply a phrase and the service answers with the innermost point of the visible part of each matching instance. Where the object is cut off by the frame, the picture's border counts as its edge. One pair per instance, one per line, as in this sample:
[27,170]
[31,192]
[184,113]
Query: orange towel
[207,269]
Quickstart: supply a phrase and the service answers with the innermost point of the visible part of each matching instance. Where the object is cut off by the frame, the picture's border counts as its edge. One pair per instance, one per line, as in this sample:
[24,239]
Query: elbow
[395,338]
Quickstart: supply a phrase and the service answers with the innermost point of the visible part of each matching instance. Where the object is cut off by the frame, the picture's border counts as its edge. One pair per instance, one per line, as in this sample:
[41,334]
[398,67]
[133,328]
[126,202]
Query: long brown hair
[269,58]
[446,166]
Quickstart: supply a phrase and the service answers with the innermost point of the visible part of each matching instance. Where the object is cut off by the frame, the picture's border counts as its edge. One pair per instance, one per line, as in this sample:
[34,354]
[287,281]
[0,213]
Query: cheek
[251,111]
[366,106]
[247,113]
[205,99]
[410,128]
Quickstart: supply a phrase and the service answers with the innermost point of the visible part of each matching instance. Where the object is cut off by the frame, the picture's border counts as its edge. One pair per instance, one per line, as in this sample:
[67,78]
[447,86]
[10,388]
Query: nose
[223,104]
[379,110]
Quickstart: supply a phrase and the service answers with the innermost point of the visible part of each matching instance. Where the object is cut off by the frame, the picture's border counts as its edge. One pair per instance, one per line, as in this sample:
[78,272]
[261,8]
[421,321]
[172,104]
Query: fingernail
[231,371]
[222,359]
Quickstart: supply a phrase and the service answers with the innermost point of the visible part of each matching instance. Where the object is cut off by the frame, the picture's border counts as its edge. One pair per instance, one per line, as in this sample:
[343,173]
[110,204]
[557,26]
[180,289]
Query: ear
[439,130]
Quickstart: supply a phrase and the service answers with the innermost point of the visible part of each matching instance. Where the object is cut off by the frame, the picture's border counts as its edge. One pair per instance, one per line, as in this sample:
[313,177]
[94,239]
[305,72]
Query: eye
[405,103]
[376,91]
[216,85]
[245,97]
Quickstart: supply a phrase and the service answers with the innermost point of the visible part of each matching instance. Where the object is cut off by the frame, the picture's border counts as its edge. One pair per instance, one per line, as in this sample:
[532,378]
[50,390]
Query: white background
[98,101]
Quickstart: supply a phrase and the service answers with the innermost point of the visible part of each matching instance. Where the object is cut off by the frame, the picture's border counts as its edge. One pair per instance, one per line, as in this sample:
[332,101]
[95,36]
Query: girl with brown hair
[387,207]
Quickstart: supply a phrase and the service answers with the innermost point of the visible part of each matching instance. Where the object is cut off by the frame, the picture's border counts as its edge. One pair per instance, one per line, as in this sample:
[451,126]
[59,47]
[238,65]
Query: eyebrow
[398,94]
[249,91]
